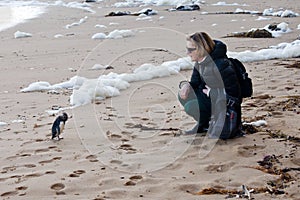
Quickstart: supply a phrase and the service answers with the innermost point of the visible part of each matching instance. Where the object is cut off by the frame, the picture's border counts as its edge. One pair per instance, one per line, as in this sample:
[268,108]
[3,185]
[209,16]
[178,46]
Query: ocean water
[12,14]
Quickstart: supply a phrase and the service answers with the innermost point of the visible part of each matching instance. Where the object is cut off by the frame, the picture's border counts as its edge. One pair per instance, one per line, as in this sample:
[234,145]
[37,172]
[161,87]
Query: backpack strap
[232,101]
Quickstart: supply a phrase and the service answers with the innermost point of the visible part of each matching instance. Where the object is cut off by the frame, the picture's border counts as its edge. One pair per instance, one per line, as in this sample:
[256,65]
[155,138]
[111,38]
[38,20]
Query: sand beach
[123,137]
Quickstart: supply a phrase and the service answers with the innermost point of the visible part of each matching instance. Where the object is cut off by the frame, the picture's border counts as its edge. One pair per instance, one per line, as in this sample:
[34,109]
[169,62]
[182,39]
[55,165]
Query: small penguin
[58,125]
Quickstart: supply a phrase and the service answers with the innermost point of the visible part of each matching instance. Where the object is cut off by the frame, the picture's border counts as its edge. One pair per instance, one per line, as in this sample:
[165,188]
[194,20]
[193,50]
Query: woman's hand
[206,91]
[184,91]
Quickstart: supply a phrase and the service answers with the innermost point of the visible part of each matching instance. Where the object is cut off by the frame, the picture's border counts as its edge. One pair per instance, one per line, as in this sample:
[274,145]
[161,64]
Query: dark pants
[198,106]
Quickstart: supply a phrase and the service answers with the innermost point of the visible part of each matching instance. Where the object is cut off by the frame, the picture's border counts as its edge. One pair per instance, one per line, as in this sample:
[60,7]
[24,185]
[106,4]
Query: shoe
[196,130]
[238,134]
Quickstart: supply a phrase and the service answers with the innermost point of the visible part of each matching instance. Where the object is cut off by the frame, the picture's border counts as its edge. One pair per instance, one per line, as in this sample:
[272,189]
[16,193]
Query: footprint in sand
[6,169]
[8,194]
[45,161]
[57,186]
[41,150]
[17,156]
[73,175]
[77,173]
[22,188]
[56,158]
[25,155]
[16,176]
[133,180]
[92,158]
[128,148]
[130,183]
[50,172]
[136,178]
[60,193]
[219,167]
[29,165]
[33,175]
[127,133]
[55,148]
[249,151]
[49,161]
[118,162]
[113,136]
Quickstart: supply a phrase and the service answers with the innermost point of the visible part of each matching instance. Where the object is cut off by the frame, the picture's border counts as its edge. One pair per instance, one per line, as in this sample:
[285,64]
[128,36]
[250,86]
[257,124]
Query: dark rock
[147,12]
[118,13]
[188,7]
[259,33]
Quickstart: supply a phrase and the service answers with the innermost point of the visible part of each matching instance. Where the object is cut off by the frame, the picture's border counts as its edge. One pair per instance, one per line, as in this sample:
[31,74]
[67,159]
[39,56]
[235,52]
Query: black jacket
[216,72]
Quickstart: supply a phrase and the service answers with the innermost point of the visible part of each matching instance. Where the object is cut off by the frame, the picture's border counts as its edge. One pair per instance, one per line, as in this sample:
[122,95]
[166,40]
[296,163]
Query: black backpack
[243,78]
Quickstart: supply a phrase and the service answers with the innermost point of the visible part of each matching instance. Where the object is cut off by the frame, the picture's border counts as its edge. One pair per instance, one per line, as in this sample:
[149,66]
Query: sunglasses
[190,50]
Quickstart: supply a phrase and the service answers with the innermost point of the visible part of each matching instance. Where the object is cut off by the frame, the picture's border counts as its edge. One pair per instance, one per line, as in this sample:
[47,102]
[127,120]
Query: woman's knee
[192,107]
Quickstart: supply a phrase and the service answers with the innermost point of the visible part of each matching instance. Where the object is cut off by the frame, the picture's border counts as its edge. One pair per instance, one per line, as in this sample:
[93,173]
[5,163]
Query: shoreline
[13,15]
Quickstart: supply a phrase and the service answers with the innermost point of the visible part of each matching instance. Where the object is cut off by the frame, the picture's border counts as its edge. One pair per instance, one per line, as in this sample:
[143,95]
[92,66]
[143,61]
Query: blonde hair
[203,41]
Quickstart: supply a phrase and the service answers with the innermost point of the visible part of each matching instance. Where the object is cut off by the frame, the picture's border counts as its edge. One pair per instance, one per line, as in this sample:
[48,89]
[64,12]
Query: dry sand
[107,151]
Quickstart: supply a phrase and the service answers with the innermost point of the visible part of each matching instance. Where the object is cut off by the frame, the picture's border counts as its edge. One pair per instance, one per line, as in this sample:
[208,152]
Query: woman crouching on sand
[213,91]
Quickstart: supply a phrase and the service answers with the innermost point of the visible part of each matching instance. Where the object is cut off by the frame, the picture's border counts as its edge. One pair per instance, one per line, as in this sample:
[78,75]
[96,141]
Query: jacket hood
[219,51]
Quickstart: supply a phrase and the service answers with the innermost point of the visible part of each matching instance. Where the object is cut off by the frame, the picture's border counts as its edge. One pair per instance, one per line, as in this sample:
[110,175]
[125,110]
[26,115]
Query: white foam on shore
[238,10]
[88,90]
[82,20]
[257,123]
[282,50]
[3,124]
[17,121]
[260,18]
[20,34]
[270,12]
[222,3]
[280,13]
[116,34]
[130,3]
[100,26]
[282,28]
[98,67]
